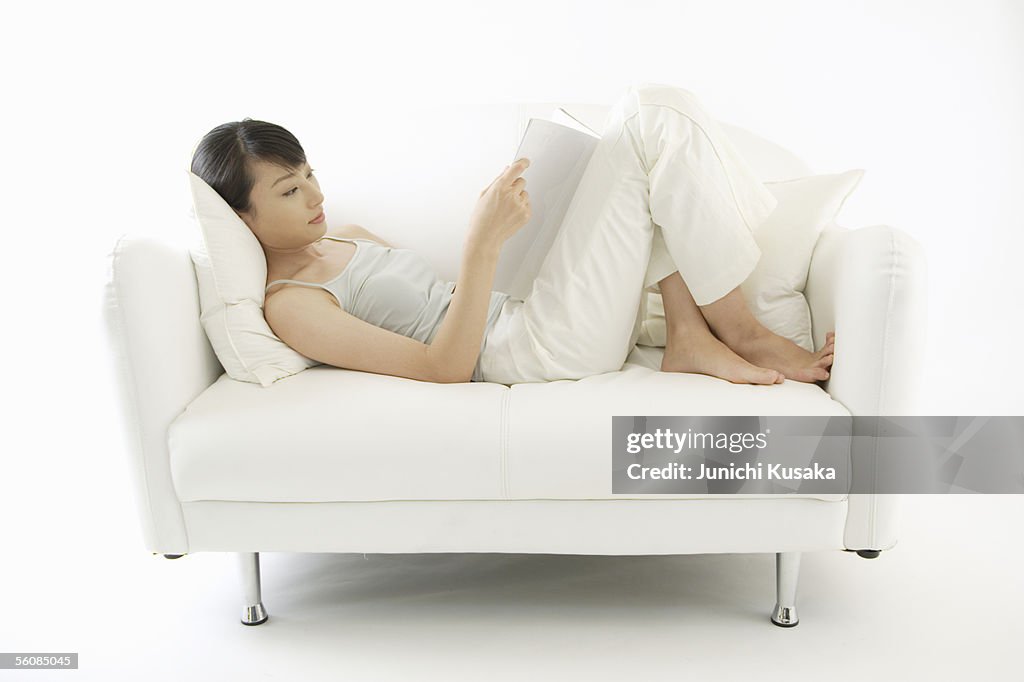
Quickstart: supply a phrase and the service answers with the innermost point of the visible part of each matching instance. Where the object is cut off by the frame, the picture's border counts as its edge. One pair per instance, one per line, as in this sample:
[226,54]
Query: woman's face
[284,201]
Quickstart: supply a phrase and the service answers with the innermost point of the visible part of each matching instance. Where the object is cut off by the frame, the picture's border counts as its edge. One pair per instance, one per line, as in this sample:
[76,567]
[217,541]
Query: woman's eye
[292,190]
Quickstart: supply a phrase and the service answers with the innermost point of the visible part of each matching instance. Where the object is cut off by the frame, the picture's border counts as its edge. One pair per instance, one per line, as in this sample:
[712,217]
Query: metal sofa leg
[787,573]
[254,613]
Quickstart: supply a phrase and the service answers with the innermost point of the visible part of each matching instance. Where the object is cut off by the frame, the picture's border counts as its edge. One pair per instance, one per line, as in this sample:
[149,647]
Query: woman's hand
[503,207]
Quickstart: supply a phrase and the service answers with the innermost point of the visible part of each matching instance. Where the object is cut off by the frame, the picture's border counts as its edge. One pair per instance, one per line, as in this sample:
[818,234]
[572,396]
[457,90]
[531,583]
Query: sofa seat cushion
[331,435]
[560,433]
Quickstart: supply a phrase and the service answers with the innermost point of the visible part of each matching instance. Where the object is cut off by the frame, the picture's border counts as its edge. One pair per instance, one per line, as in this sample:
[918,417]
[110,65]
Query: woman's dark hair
[223,157]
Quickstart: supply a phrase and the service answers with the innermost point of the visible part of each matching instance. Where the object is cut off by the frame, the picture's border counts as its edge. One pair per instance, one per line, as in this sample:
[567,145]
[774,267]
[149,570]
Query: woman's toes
[824,361]
[765,376]
[809,374]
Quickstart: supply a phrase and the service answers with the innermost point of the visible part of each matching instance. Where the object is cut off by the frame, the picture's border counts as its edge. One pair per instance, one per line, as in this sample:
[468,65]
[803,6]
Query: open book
[559,151]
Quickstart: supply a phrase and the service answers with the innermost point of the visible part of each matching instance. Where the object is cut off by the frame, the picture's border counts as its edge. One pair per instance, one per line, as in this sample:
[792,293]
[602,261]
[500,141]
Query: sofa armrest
[161,360]
[870,285]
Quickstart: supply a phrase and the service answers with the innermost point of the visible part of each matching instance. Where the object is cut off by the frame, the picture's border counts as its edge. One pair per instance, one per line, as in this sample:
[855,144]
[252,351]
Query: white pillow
[232,274]
[774,290]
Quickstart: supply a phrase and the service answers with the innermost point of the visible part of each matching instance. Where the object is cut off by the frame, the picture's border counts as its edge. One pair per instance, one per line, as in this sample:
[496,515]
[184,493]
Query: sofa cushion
[330,435]
[774,291]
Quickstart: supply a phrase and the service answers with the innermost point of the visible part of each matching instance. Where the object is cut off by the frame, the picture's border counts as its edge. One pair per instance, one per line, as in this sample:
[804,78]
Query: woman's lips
[319,219]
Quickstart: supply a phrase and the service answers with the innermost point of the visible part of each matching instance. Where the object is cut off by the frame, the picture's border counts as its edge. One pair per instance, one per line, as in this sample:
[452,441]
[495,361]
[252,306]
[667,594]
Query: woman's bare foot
[768,349]
[703,353]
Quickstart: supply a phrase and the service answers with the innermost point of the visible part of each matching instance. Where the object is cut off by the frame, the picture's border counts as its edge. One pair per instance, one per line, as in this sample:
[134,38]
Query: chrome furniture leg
[787,573]
[254,613]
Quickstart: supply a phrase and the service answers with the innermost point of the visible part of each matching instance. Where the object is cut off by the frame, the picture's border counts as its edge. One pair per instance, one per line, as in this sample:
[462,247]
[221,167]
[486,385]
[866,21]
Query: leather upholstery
[305,439]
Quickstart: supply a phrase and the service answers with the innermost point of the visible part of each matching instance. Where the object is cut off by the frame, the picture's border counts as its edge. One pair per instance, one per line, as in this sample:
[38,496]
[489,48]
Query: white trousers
[664,191]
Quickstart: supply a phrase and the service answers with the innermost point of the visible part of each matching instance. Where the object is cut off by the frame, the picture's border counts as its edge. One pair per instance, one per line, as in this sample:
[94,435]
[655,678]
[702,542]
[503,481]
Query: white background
[108,100]
[103,102]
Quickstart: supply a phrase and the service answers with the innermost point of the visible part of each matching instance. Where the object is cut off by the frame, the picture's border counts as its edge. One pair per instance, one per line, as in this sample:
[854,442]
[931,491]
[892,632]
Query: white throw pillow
[774,290]
[232,274]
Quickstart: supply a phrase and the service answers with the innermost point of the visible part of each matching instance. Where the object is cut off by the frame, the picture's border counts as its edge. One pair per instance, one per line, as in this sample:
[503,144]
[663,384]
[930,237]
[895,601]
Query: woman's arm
[456,346]
[502,209]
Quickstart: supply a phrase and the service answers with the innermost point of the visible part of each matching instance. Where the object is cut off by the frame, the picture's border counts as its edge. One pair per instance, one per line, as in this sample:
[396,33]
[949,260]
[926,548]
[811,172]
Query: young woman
[666,204]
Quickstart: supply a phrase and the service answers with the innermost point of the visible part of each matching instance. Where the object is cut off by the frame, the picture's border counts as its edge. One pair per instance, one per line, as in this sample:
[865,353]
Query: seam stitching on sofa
[890,304]
[503,443]
[508,447]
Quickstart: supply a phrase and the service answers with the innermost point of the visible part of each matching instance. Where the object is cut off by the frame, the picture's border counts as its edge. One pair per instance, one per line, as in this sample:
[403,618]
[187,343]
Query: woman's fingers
[515,169]
[506,175]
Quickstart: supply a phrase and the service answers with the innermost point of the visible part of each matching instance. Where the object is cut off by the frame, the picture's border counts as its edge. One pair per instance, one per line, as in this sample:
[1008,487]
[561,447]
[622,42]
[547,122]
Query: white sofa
[333,460]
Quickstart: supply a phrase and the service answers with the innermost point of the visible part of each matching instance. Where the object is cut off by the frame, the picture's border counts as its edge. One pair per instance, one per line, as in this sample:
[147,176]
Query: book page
[562,116]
